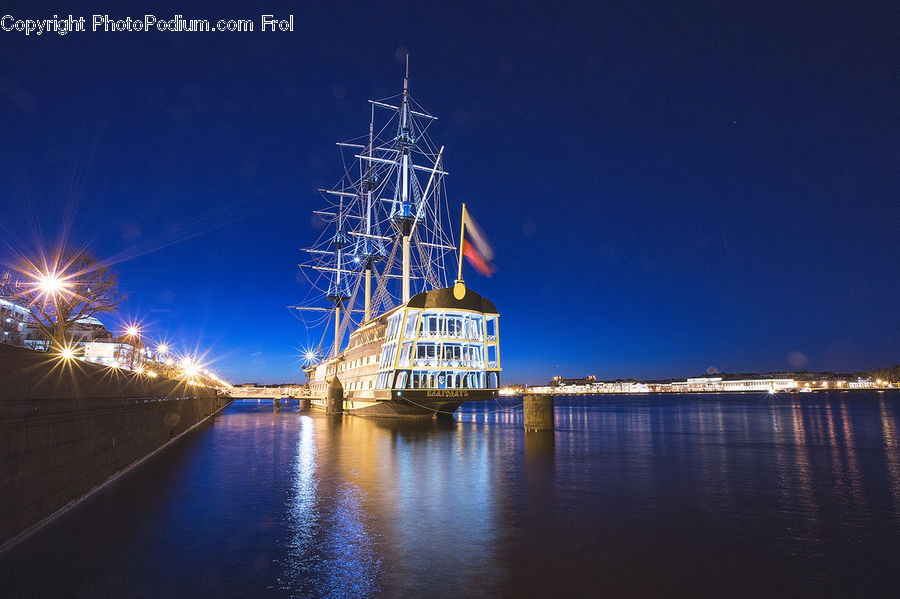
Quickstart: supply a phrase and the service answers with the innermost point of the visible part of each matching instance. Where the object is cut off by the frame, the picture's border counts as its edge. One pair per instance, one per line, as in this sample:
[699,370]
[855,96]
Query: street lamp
[133,331]
[51,285]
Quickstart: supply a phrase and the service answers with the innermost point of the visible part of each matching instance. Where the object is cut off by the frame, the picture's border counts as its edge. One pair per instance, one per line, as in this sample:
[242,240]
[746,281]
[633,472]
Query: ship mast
[367,312]
[338,295]
[403,219]
[384,191]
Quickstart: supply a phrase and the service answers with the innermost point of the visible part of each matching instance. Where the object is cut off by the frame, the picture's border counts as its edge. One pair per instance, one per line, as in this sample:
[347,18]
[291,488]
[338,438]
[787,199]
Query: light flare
[51,283]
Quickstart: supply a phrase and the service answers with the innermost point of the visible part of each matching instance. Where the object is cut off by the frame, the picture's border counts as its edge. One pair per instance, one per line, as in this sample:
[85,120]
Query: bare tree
[58,290]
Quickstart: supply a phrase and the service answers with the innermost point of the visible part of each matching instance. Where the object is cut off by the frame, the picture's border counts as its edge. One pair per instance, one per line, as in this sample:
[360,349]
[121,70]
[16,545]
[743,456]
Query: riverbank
[69,427]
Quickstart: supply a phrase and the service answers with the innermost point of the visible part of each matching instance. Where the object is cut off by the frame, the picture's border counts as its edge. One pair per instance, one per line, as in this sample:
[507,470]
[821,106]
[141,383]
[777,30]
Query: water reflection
[853,470]
[302,511]
[891,446]
[379,506]
[633,496]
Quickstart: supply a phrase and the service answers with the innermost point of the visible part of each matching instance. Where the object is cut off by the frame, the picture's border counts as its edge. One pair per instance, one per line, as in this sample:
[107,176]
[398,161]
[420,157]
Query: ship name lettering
[447,393]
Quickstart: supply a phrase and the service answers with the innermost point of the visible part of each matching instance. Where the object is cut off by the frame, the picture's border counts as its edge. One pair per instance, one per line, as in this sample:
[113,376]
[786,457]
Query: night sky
[668,187]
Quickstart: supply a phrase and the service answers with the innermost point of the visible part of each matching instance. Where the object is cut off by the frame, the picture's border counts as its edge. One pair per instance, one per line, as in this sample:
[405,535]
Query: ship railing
[492,364]
[439,335]
[492,337]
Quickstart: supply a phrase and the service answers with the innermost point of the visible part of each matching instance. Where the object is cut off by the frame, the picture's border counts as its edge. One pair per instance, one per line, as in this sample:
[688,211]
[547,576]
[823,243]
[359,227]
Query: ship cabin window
[420,380]
[492,356]
[405,352]
[412,317]
[454,327]
[475,327]
[475,359]
[401,379]
[491,328]
[493,382]
[427,352]
[431,324]
[452,354]
[387,355]
[394,325]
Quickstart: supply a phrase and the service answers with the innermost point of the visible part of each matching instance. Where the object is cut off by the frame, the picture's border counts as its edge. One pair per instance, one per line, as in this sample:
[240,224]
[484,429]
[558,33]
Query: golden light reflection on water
[891,455]
[853,470]
[367,494]
[834,450]
[302,512]
[809,512]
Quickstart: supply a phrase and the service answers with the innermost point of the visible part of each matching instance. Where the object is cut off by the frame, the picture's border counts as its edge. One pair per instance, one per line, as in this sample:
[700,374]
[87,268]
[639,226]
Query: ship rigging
[386,237]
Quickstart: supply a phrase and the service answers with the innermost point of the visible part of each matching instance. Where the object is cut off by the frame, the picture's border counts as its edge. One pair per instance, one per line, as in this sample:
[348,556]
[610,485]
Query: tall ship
[402,340]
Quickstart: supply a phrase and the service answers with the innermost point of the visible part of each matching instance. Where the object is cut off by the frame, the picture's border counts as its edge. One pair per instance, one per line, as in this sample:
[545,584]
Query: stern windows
[492,356]
[426,353]
[412,317]
[453,355]
[491,328]
[431,325]
[454,325]
[475,327]
[405,352]
[393,327]
[401,379]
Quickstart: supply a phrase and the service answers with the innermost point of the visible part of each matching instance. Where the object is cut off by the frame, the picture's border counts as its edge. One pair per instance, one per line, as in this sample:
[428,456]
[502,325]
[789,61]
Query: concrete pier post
[303,404]
[538,412]
[334,400]
[277,404]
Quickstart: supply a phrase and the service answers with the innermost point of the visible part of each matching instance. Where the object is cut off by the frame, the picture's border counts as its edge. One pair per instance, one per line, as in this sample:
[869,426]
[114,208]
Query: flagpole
[462,232]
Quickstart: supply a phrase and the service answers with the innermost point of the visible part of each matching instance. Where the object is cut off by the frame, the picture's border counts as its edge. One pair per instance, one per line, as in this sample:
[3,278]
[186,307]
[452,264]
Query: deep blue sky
[668,187]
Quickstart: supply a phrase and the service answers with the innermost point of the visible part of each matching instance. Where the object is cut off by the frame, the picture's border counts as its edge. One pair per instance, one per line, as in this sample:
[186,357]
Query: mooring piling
[538,412]
[334,400]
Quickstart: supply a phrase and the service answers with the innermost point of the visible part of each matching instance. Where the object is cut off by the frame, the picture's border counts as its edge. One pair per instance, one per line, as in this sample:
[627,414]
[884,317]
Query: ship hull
[413,403]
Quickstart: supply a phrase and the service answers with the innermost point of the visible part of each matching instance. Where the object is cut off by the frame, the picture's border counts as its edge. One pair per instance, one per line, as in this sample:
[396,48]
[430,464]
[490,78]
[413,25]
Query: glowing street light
[67,353]
[50,283]
[133,331]
[162,349]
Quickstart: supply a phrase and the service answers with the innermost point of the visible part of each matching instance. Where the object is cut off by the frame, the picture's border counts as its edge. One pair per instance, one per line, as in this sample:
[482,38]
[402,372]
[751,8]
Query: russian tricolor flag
[475,246]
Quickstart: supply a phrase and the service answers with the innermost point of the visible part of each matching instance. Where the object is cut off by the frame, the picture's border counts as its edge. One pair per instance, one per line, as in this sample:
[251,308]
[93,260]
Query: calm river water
[725,495]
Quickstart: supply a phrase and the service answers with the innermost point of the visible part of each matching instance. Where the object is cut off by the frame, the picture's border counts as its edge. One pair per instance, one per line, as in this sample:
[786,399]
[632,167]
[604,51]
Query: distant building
[87,335]
[14,321]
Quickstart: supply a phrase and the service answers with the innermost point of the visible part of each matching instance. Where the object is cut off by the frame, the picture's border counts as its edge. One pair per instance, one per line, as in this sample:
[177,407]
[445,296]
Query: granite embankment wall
[68,427]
